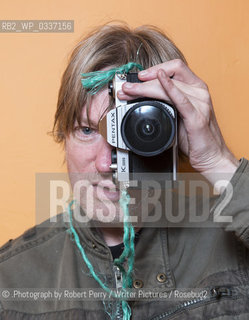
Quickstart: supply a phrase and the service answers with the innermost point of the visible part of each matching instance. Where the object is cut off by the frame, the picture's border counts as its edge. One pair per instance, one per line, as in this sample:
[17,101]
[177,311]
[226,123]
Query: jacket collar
[152,266]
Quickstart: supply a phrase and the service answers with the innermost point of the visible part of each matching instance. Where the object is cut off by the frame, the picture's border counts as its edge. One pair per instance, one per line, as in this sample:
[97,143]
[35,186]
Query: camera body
[143,133]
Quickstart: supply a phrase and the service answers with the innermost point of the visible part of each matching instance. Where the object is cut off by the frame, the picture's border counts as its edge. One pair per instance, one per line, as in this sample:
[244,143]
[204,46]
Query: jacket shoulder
[36,236]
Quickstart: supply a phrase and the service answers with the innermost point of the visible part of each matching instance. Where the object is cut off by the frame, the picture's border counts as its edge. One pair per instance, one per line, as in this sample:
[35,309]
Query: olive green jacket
[170,261]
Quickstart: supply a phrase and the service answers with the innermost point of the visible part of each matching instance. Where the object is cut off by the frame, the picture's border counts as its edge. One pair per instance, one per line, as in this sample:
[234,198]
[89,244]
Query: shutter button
[161,277]
[137,284]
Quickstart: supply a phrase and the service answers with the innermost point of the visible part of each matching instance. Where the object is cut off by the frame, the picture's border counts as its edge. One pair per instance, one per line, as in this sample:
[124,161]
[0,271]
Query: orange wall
[213,34]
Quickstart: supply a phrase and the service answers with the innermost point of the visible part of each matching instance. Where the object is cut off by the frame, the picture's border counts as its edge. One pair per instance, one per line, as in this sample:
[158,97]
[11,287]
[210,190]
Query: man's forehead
[97,107]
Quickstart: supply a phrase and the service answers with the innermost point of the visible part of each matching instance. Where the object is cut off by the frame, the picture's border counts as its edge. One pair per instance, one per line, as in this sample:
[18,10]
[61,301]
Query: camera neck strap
[128,253]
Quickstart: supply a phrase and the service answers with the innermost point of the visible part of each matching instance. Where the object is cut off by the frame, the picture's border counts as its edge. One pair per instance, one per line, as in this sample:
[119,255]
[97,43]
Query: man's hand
[199,134]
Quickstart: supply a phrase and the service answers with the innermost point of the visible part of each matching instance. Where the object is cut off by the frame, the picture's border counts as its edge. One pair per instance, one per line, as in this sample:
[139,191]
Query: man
[167,260]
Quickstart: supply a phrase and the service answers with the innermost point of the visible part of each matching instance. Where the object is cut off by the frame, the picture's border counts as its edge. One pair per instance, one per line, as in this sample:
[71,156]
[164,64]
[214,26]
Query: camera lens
[148,128]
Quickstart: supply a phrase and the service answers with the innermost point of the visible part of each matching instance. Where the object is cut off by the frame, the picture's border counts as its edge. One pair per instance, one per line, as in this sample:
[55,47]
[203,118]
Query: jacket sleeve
[233,203]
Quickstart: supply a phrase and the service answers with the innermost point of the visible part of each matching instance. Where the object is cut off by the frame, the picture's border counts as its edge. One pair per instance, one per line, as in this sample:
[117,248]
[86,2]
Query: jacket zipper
[119,285]
[215,293]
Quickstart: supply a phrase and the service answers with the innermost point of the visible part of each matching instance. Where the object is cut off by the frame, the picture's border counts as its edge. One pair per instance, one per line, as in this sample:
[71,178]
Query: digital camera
[143,133]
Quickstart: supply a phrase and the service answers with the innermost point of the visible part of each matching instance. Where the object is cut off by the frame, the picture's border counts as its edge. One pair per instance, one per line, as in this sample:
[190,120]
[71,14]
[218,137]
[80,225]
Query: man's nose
[103,158]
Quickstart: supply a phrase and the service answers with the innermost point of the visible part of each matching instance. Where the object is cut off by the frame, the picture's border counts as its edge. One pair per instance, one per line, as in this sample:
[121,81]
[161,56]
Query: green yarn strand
[126,310]
[94,81]
[127,254]
[128,240]
[82,251]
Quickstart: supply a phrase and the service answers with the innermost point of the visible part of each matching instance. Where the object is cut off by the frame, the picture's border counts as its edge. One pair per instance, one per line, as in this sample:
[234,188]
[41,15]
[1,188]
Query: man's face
[88,157]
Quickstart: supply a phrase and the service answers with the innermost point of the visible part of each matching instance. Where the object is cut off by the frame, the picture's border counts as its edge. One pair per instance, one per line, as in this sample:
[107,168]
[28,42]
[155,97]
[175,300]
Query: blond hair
[105,46]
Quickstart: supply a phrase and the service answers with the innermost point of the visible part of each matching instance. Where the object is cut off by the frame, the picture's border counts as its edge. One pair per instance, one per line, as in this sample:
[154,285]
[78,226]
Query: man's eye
[86,130]
[85,133]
